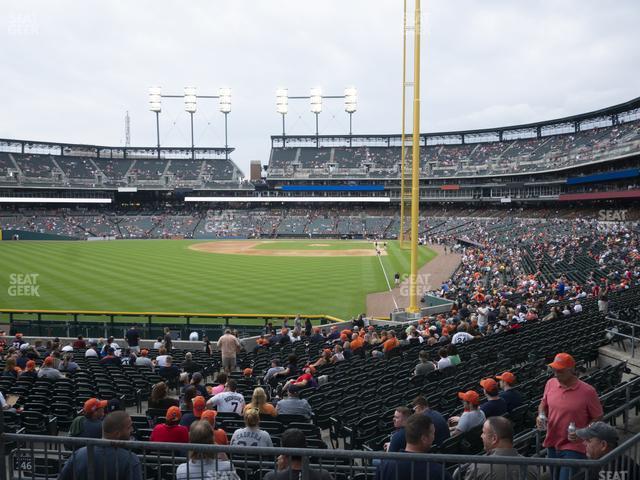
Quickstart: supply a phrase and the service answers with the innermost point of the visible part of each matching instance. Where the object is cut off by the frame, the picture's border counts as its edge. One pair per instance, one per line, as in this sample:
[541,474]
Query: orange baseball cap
[489,384]
[48,362]
[144,352]
[209,416]
[507,377]
[247,372]
[471,396]
[31,365]
[562,361]
[93,405]
[199,404]
[173,414]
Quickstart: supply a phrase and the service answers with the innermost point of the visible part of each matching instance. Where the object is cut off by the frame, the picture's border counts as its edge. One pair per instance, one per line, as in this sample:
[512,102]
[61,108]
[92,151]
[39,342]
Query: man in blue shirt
[442,432]
[494,406]
[509,394]
[109,462]
[398,441]
[419,432]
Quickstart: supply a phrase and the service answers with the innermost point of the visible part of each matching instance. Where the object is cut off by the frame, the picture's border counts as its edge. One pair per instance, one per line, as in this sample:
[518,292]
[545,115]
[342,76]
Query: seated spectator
[290,467]
[599,439]
[291,369]
[338,354]
[494,406]
[497,438]
[161,359]
[79,344]
[453,355]
[251,435]
[48,371]
[110,358]
[324,359]
[304,380]
[160,397]
[92,351]
[68,365]
[293,405]
[199,404]
[196,381]
[461,336]
[421,405]
[260,403]
[275,368]
[143,359]
[186,400]
[221,379]
[109,462]
[30,371]
[205,466]
[229,400]
[189,365]
[317,335]
[219,435]
[398,440]
[472,416]
[89,424]
[426,366]
[11,369]
[511,396]
[445,361]
[169,371]
[419,432]
[157,345]
[171,431]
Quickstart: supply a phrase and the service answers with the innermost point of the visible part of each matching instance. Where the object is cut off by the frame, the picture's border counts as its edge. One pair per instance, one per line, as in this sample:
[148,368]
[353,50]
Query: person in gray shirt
[293,405]
[251,435]
[275,368]
[425,366]
[108,462]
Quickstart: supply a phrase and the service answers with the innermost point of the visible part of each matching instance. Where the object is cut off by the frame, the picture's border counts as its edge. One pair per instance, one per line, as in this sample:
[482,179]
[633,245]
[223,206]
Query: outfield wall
[27,235]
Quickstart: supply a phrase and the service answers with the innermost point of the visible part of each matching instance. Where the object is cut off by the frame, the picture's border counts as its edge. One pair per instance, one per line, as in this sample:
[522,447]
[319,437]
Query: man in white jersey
[228,400]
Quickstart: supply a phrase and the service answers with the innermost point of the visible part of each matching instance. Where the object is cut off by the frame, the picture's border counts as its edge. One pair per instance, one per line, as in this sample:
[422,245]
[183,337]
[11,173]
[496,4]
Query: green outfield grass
[167,276]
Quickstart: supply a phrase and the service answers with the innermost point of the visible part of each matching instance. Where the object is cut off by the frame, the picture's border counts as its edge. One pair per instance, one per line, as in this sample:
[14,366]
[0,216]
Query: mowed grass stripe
[167,276]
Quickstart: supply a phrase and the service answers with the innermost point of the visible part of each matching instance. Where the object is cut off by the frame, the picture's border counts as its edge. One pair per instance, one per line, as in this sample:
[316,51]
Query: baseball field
[271,277]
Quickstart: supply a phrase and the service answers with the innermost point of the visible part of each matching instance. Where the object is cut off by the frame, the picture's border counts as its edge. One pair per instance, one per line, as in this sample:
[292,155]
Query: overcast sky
[70,69]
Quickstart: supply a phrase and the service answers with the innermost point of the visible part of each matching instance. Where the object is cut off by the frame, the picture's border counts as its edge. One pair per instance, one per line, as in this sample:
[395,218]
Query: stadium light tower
[155,105]
[282,106]
[224,99]
[316,108]
[350,106]
[190,95]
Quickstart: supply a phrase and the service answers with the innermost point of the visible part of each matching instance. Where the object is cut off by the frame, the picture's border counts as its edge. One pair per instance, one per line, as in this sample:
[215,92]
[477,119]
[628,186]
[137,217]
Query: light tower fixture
[350,106]
[190,98]
[155,105]
[224,104]
[282,106]
[316,108]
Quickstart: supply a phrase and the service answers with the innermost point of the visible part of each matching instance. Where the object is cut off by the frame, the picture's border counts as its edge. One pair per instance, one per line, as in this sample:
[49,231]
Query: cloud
[71,70]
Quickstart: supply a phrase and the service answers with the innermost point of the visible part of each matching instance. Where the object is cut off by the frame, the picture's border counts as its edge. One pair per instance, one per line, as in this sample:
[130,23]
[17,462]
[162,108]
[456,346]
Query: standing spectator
[419,432]
[398,439]
[171,431]
[497,438]
[168,339]
[109,462]
[494,406]
[133,339]
[308,327]
[567,399]
[205,466]
[509,394]
[290,467]
[229,400]
[421,405]
[89,424]
[472,416]
[251,435]
[229,346]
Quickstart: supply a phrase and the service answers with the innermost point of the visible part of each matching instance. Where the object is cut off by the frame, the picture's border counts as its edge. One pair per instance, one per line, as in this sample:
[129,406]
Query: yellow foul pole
[415,179]
[402,150]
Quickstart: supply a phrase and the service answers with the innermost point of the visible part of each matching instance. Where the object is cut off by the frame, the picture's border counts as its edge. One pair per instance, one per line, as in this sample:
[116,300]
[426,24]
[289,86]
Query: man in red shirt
[567,399]
[171,431]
